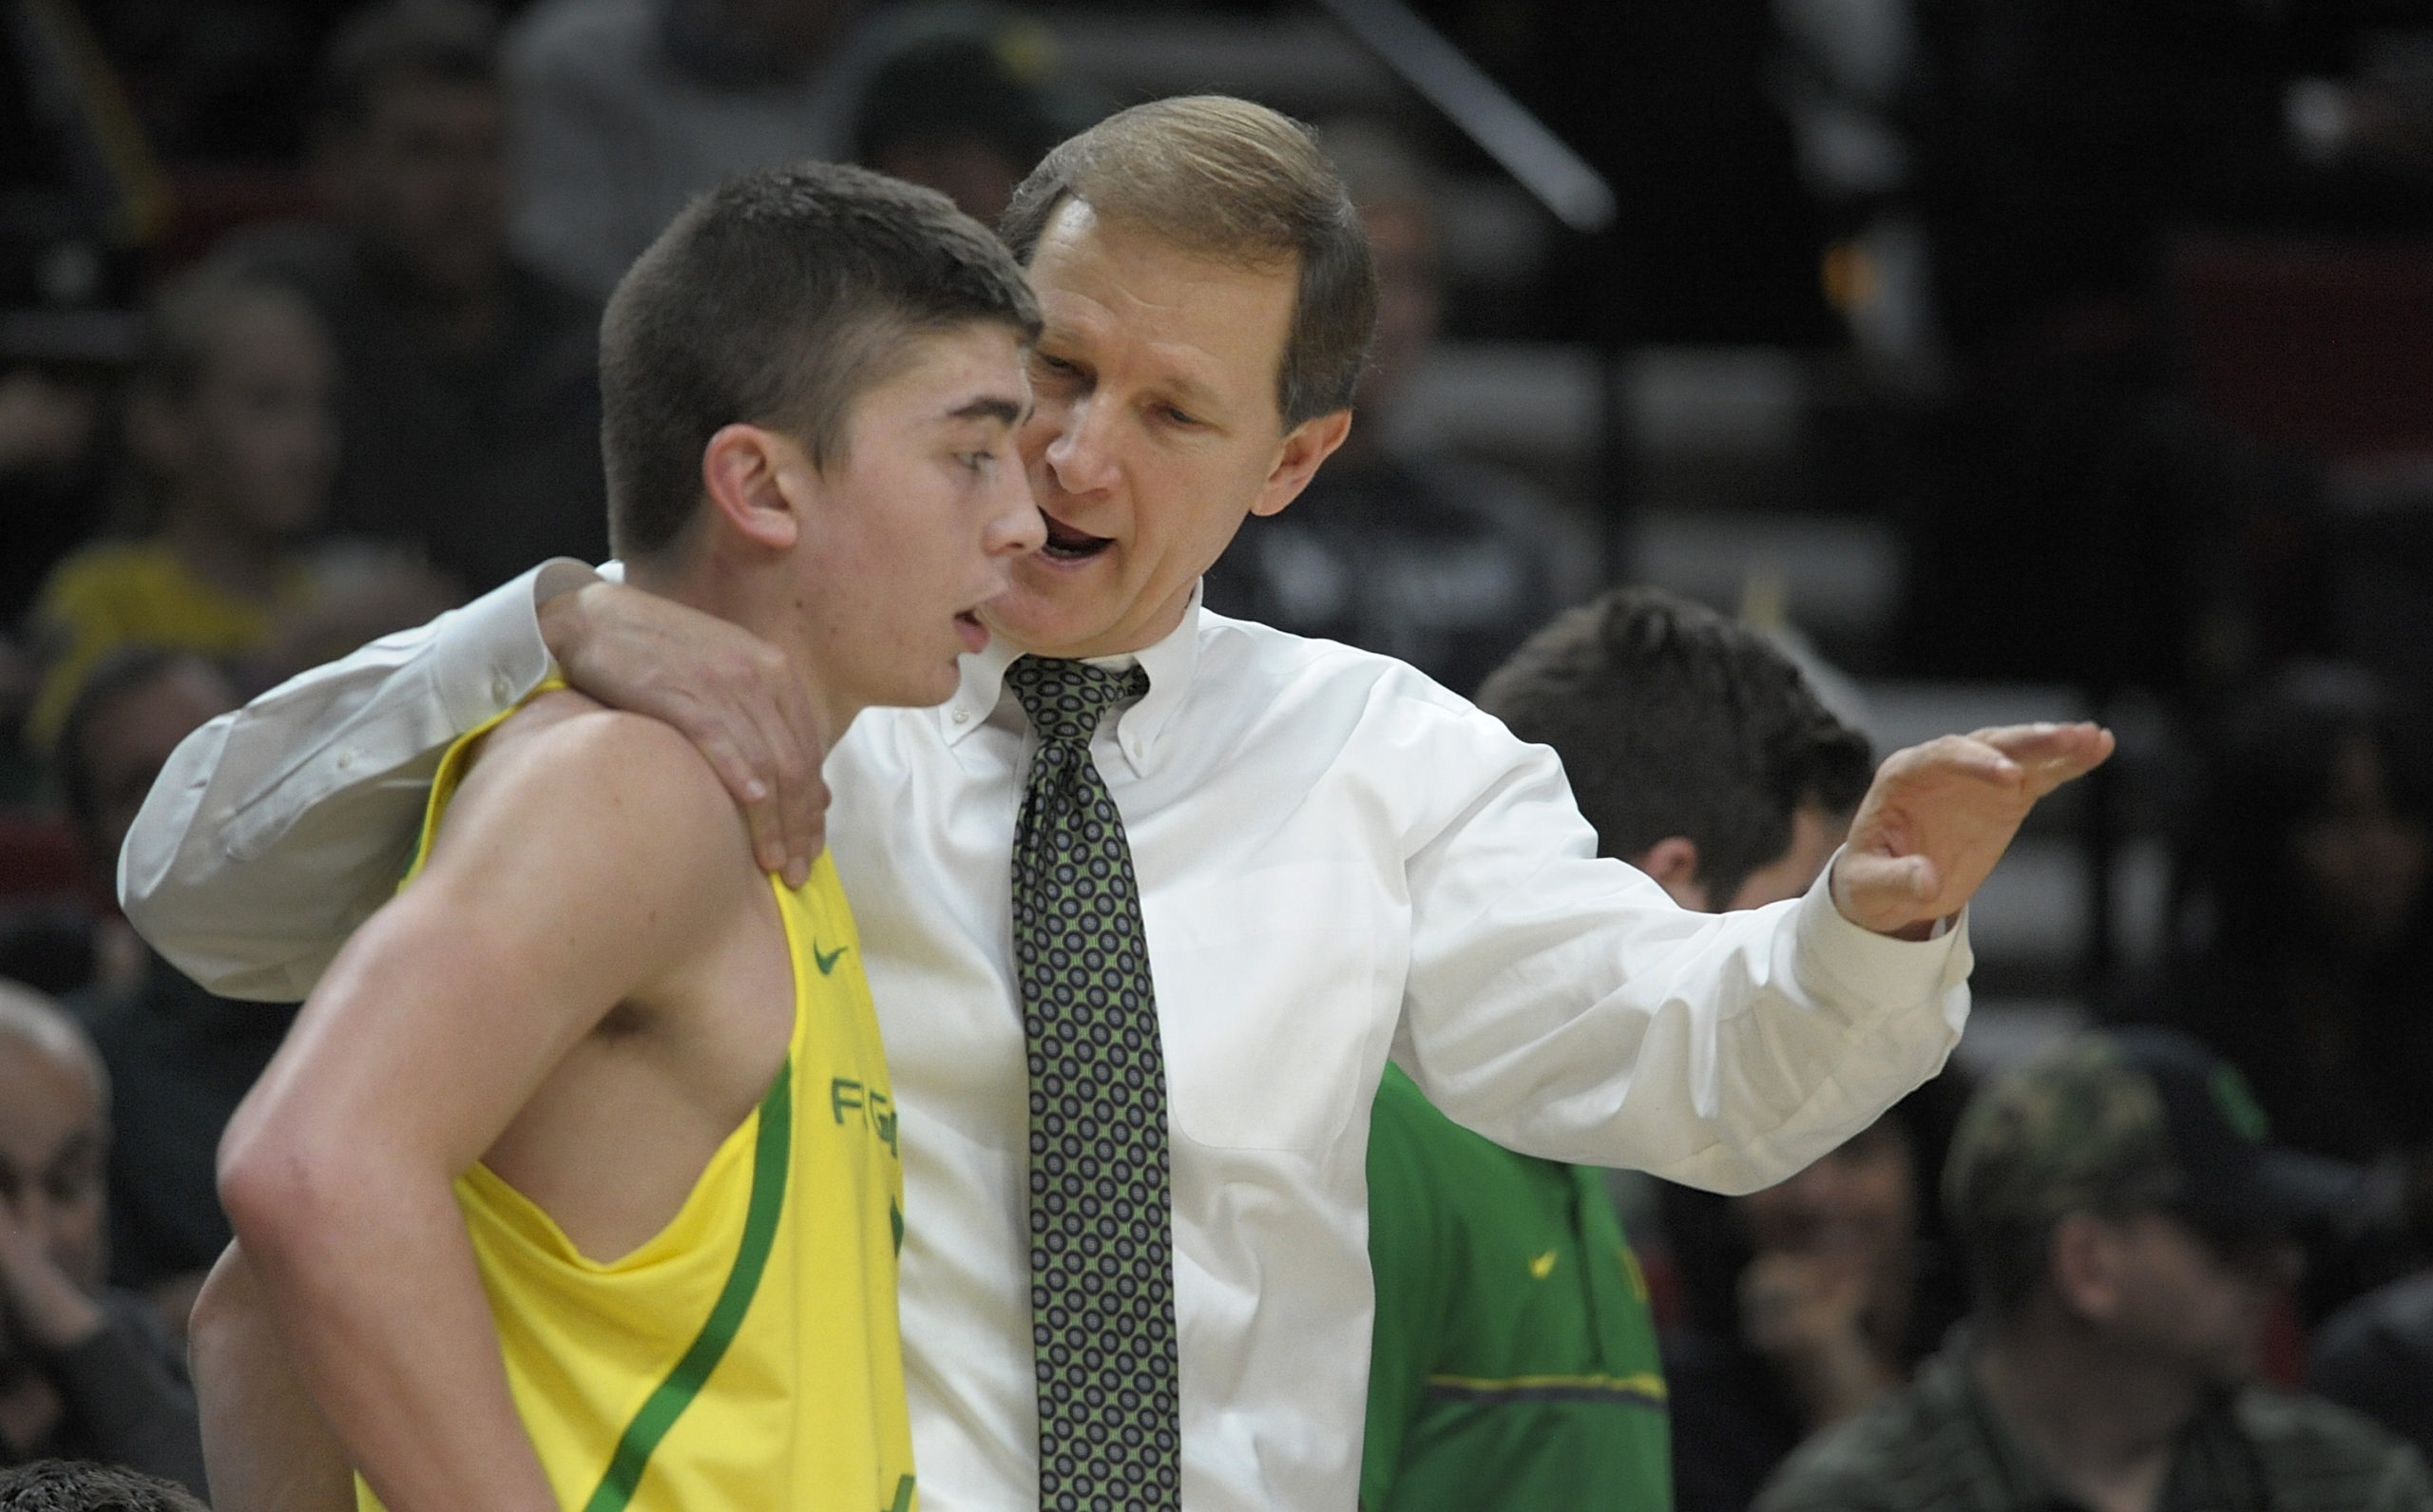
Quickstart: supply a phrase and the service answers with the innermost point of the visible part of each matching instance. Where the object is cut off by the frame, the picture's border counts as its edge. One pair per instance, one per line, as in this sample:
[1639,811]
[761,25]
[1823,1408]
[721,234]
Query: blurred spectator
[2376,1354]
[468,401]
[965,115]
[1806,1303]
[85,1373]
[2303,916]
[229,419]
[1509,1277]
[180,1060]
[2123,1222]
[1444,562]
[626,108]
[74,1485]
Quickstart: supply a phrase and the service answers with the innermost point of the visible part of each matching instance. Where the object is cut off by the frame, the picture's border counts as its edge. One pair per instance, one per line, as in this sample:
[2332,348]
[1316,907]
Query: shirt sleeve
[1563,1006]
[276,830]
[1405,1249]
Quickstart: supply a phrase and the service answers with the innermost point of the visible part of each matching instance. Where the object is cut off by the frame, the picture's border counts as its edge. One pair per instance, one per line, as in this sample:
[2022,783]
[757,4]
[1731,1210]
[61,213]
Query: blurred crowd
[279,379]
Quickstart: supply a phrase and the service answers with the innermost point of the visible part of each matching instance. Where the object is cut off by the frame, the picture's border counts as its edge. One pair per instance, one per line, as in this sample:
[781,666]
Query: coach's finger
[793,734]
[739,755]
[2052,754]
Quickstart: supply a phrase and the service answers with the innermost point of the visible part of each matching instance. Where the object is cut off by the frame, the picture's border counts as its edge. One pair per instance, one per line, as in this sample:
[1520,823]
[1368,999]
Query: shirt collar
[1170,663]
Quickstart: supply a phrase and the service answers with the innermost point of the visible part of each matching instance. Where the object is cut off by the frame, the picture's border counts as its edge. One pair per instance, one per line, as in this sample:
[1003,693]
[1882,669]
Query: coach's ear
[755,479]
[1296,461]
[1673,863]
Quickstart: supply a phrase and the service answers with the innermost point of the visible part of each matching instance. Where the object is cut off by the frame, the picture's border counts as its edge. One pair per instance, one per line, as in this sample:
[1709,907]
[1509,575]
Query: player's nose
[1015,528]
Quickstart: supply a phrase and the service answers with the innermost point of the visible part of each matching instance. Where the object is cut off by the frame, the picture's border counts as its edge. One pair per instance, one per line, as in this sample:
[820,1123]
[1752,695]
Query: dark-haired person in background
[1515,1362]
[85,1372]
[2124,1223]
[180,1060]
[1703,757]
[1699,751]
[469,404]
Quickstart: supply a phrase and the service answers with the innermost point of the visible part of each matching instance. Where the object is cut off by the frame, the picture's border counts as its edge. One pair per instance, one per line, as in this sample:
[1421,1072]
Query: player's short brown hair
[778,298]
[1227,178]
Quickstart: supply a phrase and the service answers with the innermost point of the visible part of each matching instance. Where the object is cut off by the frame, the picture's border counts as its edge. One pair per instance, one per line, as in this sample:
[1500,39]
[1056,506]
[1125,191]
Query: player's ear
[1305,446]
[743,471]
[1673,863]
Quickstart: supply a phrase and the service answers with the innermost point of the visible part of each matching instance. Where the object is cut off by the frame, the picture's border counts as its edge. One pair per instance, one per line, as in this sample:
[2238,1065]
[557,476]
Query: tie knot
[1066,699]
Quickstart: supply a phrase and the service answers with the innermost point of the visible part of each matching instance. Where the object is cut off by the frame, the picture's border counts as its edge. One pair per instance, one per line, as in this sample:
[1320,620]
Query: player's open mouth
[1065,544]
[975,635]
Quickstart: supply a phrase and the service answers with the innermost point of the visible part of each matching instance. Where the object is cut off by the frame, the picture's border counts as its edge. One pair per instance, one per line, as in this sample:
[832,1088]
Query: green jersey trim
[1644,1389]
[771,1154]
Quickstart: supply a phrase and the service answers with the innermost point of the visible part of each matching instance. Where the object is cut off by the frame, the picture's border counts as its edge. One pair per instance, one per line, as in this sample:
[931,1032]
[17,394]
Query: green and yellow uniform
[1514,1363]
[746,1357]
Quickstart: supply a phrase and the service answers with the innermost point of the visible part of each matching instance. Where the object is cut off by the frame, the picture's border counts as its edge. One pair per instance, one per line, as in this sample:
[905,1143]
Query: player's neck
[761,601]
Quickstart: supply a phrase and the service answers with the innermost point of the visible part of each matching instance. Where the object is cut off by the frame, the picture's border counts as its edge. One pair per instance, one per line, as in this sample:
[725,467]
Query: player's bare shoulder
[602,789]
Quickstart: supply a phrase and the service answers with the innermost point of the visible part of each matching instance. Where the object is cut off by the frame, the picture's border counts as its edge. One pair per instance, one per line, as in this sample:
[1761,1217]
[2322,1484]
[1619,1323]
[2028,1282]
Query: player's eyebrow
[992,407]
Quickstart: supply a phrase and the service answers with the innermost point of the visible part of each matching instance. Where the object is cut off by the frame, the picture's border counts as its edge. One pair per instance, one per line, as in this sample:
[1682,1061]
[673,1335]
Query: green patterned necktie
[1101,1218]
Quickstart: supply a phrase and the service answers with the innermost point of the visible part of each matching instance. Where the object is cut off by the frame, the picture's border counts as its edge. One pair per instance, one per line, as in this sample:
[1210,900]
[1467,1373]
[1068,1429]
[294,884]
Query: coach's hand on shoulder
[731,694]
[1941,814]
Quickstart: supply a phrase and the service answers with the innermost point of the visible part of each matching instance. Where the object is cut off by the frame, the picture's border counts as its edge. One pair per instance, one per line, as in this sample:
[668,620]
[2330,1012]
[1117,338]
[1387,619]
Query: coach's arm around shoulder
[276,829]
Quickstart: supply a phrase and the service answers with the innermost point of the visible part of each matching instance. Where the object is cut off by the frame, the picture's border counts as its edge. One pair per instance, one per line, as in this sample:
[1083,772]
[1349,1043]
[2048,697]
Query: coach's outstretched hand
[1941,814]
[733,695]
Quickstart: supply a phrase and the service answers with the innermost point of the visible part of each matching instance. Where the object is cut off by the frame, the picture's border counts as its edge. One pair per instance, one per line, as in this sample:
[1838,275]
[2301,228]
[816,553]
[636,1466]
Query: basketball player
[577,1183]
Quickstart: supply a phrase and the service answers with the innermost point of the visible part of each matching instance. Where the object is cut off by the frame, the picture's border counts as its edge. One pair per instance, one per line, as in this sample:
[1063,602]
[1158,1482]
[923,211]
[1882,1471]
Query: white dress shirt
[1338,861]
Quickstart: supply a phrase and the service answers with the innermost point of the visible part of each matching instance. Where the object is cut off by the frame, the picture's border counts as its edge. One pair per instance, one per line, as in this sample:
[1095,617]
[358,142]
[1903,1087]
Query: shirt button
[963,716]
[346,758]
[501,691]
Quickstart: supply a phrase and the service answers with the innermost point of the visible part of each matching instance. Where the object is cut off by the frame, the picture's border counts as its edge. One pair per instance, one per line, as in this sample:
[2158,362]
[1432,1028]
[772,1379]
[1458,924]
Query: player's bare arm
[592,875]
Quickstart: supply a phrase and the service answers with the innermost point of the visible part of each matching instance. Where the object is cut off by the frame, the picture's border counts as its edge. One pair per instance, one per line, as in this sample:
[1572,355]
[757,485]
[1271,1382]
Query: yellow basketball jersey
[746,1357]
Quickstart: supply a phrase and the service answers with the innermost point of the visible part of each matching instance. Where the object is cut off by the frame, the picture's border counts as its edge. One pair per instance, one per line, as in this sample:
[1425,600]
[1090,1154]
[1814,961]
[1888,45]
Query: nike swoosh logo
[827,959]
[1544,1266]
